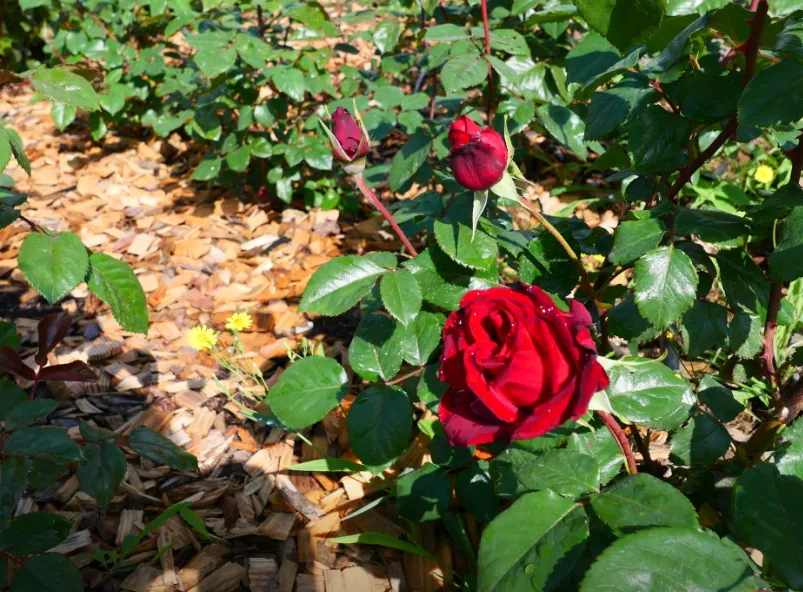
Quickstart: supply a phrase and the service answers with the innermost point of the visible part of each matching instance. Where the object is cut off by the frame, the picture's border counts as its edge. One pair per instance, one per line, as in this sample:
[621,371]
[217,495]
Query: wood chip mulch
[200,256]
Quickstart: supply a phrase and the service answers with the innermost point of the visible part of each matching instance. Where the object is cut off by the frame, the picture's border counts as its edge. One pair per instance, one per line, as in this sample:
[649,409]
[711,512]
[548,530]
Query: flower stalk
[359,181]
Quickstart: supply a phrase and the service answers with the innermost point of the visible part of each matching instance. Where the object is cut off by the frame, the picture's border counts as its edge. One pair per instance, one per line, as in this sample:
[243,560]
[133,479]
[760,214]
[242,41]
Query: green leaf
[13,483]
[790,40]
[51,572]
[156,448]
[769,516]
[339,284]
[422,338]
[92,433]
[17,149]
[589,58]
[375,352]
[649,394]
[709,95]
[208,169]
[379,425]
[307,391]
[11,395]
[454,236]
[643,501]
[115,284]
[444,282]
[386,35]
[239,158]
[49,442]
[103,472]
[213,62]
[5,148]
[291,82]
[445,33]
[29,412]
[611,108]
[35,532]
[330,465]
[671,559]
[566,472]
[383,540]
[54,264]
[625,321]
[789,450]
[703,327]
[712,226]
[475,491]
[408,160]
[9,338]
[658,140]
[633,239]
[774,95]
[701,442]
[624,24]
[63,115]
[627,63]
[786,262]
[744,283]
[719,399]
[566,126]
[463,71]
[744,335]
[423,494]
[666,285]
[401,296]
[602,446]
[63,86]
[524,544]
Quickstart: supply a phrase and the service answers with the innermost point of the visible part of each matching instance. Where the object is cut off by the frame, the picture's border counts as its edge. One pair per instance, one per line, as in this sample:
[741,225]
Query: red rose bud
[478,157]
[517,366]
[353,141]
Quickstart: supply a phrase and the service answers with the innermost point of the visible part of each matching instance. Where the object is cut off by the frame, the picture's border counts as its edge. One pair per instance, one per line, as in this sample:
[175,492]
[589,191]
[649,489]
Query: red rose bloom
[353,141]
[517,366]
[478,157]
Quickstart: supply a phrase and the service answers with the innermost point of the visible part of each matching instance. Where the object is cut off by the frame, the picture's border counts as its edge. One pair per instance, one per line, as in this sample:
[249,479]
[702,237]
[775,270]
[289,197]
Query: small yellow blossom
[764,174]
[202,338]
[239,321]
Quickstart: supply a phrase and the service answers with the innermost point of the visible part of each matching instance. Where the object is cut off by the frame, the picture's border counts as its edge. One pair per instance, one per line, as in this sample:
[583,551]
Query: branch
[616,430]
[584,281]
[359,180]
[768,338]
[32,224]
[751,51]
[489,111]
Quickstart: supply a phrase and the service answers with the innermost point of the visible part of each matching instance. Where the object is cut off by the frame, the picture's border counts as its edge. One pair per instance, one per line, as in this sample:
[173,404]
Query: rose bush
[517,366]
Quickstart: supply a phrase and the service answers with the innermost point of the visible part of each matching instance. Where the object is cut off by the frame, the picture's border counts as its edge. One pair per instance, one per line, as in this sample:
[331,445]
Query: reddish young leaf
[52,329]
[10,362]
[72,372]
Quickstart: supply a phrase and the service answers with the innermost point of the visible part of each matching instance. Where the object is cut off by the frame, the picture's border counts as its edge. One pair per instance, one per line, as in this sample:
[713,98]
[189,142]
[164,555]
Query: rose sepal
[478,207]
[506,188]
[351,166]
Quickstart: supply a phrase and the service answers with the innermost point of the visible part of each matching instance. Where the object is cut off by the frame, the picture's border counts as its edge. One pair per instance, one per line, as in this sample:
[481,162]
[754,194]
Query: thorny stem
[32,224]
[489,112]
[584,281]
[751,51]
[404,377]
[359,180]
[621,439]
[776,292]
[643,447]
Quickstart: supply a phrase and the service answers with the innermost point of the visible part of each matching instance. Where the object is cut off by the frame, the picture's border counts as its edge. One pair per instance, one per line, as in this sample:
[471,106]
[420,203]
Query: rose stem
[489,112]
[621,439]
[360,182]
[566,247]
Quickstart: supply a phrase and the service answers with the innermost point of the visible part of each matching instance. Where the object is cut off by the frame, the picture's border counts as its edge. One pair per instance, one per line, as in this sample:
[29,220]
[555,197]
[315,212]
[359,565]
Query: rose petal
[464,425]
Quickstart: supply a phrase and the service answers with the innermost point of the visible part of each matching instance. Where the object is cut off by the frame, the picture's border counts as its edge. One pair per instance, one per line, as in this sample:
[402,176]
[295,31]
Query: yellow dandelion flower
[764,174]
[239,321]
[202,338]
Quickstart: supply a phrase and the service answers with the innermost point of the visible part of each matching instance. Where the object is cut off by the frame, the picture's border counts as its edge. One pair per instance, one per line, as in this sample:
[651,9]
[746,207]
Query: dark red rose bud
[478,157]
[349,135]
[517,366]
[461,130]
